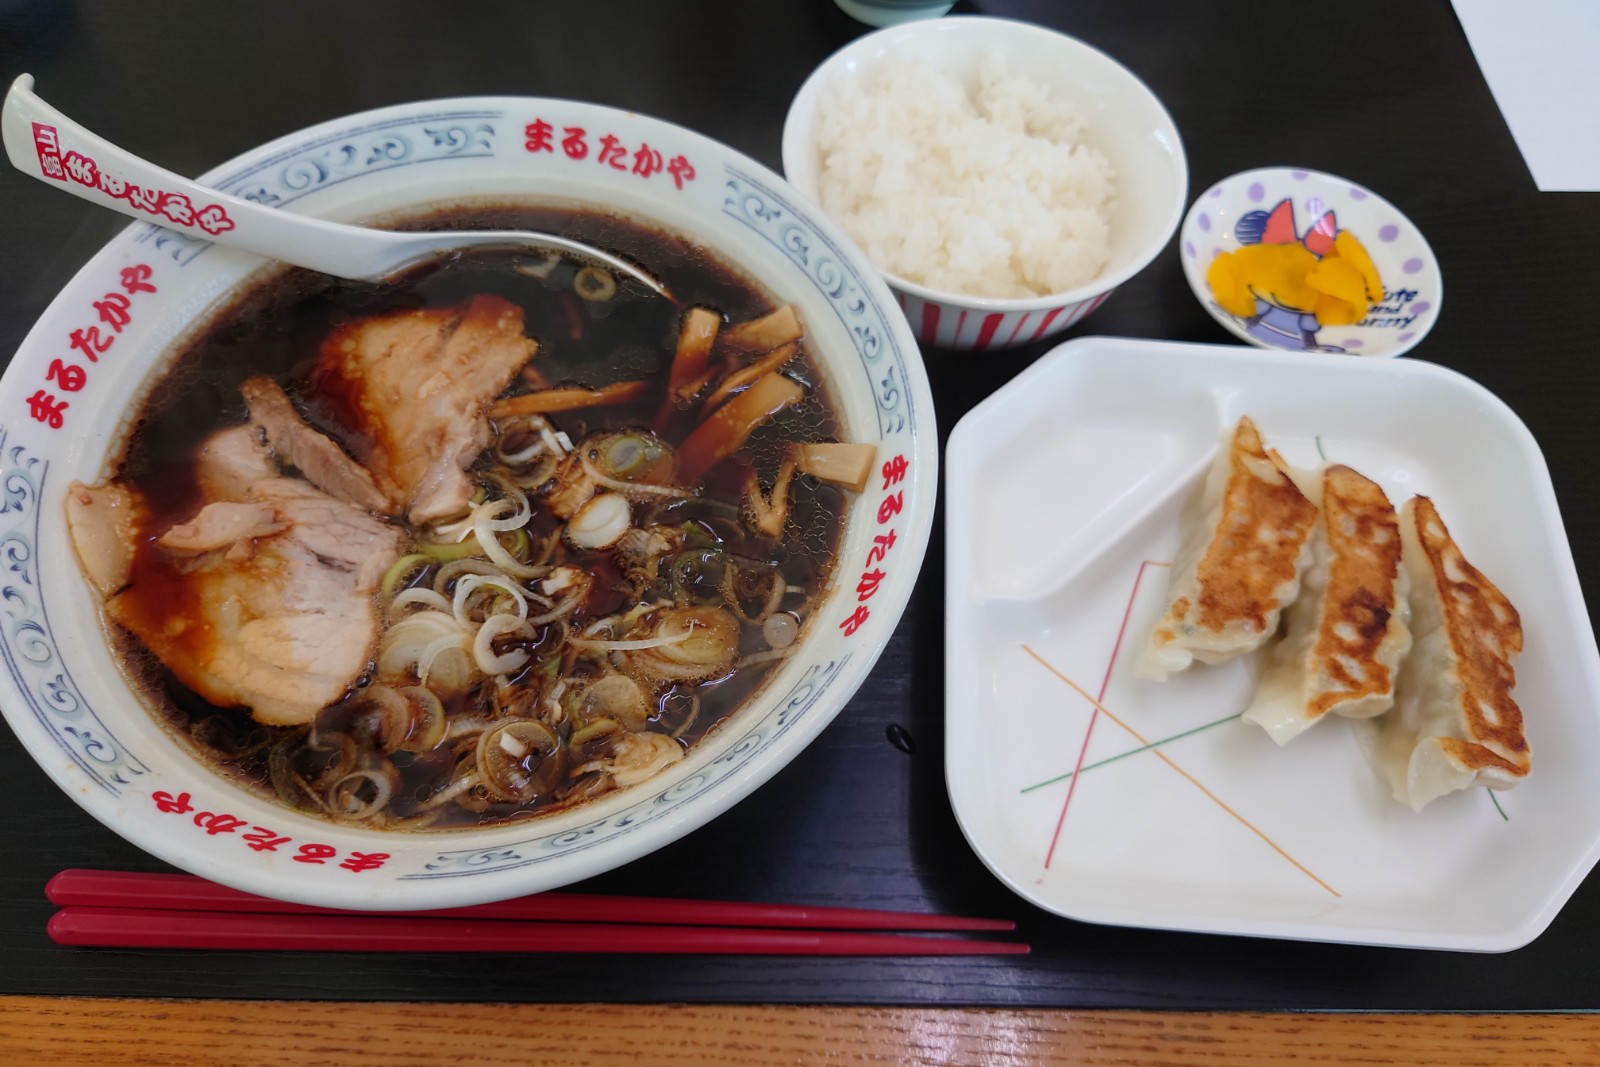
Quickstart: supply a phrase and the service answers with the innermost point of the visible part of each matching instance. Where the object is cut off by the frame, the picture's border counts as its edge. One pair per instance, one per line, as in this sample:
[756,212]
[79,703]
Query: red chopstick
[184,892]
[150,928]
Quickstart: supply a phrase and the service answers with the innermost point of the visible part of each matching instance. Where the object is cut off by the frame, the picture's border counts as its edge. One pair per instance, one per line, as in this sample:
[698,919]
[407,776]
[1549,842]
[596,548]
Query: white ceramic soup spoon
[43,142]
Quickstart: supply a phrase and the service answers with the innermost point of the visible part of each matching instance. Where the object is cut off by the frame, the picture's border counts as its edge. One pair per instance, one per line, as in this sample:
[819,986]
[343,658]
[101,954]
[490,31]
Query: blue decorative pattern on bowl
[147,787]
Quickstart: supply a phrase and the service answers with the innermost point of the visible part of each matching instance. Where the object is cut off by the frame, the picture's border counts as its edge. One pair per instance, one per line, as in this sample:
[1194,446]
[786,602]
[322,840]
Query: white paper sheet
[1542,61]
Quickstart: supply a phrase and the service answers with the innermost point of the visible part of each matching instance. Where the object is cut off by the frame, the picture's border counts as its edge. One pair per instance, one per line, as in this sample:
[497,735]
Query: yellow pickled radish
[1229,288]
[1277,273]
[1354,252]
[1338,289]
[1340,278]
[1331,311]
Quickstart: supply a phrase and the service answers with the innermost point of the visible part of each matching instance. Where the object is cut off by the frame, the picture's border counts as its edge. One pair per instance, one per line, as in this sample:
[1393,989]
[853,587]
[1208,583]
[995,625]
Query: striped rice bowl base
[945,325]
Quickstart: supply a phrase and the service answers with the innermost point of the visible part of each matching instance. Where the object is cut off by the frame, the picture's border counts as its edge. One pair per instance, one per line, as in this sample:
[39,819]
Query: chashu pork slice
[311,452]
[1455,723]
[280,620]
[262,599]
[1239,563]
[413,388]
[104,522]
[229,462]
[224,524]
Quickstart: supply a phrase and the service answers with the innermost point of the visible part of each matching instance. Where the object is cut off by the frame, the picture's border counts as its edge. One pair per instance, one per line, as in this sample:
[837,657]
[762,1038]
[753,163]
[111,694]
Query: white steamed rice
[987,193]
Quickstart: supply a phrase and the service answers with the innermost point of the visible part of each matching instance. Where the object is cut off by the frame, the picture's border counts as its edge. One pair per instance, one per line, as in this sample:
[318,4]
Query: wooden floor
[122,1033]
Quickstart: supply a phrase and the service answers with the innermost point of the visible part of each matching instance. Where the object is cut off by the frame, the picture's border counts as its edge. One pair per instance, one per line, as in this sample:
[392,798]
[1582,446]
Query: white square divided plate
[1159,807]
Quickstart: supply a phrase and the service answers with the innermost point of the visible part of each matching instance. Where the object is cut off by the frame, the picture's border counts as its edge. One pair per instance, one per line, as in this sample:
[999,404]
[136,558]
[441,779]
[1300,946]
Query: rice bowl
[988,191]
[1124,122]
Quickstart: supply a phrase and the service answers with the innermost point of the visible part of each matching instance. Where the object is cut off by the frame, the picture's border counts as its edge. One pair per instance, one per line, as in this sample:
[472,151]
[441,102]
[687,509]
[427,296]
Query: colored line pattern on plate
[1497,806]
[1124,755]
[1164,758]
[1083,750]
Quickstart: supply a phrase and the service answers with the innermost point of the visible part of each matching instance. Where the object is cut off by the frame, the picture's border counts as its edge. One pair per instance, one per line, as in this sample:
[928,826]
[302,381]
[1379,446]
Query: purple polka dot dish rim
[1280,205]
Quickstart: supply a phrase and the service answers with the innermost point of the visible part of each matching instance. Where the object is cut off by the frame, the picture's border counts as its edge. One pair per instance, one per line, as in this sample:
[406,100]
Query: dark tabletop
[1386,94]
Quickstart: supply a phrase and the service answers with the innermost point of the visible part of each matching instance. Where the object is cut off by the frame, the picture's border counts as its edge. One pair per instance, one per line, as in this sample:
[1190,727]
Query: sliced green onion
[594,284]
[401,570]
[447,553]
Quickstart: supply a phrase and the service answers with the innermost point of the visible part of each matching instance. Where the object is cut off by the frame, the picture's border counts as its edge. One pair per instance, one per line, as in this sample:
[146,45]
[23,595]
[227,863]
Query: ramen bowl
[62,688]
[1125,122]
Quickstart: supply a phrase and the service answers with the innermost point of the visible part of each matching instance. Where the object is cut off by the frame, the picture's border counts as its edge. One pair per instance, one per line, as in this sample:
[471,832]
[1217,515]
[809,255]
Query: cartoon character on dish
[1284,287]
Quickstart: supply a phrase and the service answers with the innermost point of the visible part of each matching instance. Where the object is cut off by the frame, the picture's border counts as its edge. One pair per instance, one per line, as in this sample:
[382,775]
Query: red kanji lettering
[881,544]
[646,161]
[681,171]
[894,471]
[612,152]
[81,169]
[69,376]
[90,343]
[364,861]
[263,840]
[112,186]
[47,409]
[538,134]
[114,311]
[142,198]
[856,620]
[573,143]
[172,805]
[867,587]
[177,207]
[136,279]
[891,506]
[48,145]
[220,823]
[213,219]
[315,853]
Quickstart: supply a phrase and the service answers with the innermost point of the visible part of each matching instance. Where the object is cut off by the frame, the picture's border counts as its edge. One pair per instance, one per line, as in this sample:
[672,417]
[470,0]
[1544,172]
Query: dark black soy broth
[277,328]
